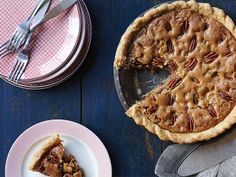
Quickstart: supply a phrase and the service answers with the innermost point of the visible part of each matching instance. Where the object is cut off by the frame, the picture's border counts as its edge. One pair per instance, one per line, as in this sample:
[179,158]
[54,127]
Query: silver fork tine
[18,41]
[22,69]
[3,52]
[18,69]
[12,38]
[2,46]
[11,47]
[13,41]
[13,69]
[18,45]
[6,53]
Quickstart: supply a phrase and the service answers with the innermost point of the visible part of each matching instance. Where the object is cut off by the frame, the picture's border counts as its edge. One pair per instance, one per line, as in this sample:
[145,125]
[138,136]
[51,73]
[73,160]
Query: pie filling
[56,163]
[200,53]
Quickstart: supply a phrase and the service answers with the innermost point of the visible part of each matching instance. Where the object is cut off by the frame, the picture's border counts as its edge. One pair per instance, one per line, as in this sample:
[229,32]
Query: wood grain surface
[90,98]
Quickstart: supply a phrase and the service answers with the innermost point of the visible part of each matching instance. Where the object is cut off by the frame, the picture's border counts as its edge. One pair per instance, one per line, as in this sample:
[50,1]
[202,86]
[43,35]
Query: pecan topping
[205,26]
[191,64]
[184,27]
[173,66]
[212,111]
[149,109]
[191,123]
[168,26]
[173,118]
[229,54]
[193,44]
[157,61]
[171,100]
[195,98]
[53,158]
[226,96]
[137,64]
[210,57]
[214,74]
[154,98]
[195,80]
[174,82]
[170,46]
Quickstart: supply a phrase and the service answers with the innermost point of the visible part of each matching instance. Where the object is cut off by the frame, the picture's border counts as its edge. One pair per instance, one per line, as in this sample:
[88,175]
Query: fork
[22,58]
[21,62]
[19,36]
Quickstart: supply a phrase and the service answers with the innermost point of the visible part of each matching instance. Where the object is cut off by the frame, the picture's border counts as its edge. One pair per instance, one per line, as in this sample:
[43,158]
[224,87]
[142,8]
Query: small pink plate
[77,139]
[52,44]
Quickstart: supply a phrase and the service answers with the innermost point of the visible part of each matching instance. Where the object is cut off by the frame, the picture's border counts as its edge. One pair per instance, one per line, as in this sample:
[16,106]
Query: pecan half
[171,100]
[193,44]
[191,64]
[173,118]
[212,111]
[210,57]
[173,66]
[184,27]
[195,98]
[191,123]
[170,46]
[157,61]
[226,96]
[174,82]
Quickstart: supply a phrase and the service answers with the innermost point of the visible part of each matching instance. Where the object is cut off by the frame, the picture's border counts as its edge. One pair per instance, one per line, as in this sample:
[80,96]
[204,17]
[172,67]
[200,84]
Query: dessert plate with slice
[62,148]
[179,60]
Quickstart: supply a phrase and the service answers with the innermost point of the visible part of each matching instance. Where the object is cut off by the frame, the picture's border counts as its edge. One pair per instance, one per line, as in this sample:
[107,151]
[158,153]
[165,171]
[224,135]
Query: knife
[209,154]
[40,14]
[55,11]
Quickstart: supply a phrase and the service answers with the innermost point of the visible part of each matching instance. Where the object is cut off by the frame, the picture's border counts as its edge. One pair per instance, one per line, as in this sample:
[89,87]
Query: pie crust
[52,160]
[215,120]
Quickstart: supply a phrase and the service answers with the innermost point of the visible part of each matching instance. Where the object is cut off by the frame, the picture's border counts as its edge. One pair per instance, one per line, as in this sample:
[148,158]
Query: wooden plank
[133,150]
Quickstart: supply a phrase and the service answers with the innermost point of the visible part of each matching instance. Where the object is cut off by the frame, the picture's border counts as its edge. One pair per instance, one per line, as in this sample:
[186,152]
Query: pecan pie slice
[197,43]
[53,161]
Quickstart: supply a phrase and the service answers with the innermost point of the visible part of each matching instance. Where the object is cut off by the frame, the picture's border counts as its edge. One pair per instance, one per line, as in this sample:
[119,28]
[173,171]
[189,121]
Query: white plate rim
[99,151]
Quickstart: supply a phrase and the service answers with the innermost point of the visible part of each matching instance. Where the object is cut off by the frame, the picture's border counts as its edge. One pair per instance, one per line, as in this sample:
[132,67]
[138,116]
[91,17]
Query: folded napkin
[171,158]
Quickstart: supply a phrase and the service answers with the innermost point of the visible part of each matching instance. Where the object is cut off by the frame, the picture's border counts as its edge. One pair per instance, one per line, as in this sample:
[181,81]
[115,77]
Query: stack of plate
[58,47]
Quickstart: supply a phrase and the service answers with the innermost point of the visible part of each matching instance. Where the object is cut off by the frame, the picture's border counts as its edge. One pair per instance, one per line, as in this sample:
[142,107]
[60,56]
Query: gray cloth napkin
[173,156]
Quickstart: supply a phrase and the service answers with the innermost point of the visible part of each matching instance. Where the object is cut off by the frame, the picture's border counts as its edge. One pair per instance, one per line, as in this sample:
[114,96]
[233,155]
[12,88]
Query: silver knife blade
[38,17]
[209,154]
[55,11]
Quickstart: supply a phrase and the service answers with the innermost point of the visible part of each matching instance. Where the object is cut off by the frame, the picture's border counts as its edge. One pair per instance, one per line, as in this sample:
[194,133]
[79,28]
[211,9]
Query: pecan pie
[53,161]
[197,43]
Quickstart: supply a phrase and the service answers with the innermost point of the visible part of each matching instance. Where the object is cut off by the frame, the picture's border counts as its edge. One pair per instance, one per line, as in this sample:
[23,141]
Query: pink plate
[77,139]
[52,44]
[72,65]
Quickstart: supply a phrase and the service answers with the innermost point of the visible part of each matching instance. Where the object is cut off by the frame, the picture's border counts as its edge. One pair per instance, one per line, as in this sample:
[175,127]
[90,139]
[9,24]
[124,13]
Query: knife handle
[55,11]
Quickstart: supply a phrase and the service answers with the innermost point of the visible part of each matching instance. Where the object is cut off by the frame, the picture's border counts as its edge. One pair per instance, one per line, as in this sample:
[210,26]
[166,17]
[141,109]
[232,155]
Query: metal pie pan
[132,84]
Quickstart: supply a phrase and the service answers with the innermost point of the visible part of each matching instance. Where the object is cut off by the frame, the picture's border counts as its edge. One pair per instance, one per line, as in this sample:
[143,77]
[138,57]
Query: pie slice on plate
[53,161]
[197,43]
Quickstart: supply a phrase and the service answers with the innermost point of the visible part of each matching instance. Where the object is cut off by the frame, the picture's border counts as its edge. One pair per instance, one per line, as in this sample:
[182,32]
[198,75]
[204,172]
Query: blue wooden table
[90,98]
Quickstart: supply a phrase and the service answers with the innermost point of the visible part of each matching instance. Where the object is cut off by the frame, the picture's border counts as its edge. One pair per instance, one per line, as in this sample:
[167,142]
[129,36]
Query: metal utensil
[55,11]
[20,34]
[21,62]
[23,57]
[209,154]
